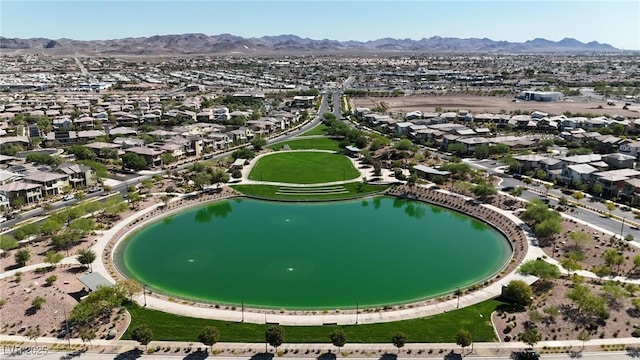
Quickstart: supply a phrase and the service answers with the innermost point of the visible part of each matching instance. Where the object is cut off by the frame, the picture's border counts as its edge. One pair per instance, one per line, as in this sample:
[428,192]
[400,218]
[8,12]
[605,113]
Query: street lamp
[458,293]
[473,331]
[622,228]
[357,312]
[144,294]
[66,321]
[242,311]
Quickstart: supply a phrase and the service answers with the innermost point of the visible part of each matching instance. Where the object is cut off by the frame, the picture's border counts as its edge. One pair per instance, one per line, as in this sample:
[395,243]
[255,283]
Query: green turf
[307,144]
[438,328]
[303,168]
[272,192]
[318,130]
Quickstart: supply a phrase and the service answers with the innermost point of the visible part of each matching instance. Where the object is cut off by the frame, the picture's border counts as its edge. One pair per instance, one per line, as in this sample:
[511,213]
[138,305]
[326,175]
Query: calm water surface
[328,255]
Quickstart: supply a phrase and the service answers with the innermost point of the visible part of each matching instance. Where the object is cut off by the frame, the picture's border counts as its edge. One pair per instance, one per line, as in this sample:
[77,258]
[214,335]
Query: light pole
[458,292]
[242,311]
[66,322]
[357,312]
[622,228]
[144,294]
[473,331]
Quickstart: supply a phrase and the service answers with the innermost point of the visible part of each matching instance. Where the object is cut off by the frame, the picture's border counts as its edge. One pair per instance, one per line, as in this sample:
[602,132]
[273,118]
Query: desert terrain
[494,104]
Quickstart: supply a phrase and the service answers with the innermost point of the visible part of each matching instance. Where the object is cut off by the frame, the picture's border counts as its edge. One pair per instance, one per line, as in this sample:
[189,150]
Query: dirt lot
[492,104]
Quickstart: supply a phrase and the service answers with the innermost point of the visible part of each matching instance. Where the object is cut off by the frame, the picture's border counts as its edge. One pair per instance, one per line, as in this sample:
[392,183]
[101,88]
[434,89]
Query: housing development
[329,205]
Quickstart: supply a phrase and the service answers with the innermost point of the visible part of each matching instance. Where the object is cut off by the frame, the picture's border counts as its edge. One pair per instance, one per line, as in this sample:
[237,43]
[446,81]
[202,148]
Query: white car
[68,197]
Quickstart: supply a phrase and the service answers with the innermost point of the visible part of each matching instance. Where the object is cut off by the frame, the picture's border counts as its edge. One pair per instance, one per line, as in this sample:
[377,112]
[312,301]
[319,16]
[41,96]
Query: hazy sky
[613,22]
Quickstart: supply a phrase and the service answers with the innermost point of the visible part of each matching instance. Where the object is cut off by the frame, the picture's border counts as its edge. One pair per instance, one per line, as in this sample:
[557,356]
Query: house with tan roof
[29,192]
[151,155]
[79,175]
[51,182]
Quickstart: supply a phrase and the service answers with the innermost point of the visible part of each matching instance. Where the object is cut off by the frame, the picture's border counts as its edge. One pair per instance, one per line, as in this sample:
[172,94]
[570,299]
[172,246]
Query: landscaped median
[310,193]
[437,328]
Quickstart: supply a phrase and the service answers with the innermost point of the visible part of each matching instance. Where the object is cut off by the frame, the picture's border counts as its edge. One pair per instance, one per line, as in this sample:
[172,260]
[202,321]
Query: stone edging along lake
[495,219]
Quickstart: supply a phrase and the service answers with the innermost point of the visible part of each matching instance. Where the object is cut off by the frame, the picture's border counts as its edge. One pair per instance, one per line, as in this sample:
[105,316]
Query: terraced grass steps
[320,190]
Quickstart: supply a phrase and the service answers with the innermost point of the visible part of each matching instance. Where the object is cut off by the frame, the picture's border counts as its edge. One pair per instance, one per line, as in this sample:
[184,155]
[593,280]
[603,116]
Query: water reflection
[364,203]
[220,210]
[415,210]
[376,203]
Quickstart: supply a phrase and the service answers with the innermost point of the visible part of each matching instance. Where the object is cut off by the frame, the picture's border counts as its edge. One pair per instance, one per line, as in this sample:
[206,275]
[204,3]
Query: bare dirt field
[492,104]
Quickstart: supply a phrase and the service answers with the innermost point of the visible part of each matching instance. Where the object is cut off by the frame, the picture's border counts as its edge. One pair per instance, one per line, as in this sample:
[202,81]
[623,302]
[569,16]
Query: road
[136,179]
[536,190]
[137,355]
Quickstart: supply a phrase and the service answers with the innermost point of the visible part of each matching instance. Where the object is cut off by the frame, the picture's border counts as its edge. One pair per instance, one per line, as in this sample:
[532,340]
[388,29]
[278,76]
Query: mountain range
[291,44]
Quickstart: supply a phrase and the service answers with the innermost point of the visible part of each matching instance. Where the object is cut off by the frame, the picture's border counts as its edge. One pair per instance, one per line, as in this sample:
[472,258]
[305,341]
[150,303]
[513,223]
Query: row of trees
[274,336]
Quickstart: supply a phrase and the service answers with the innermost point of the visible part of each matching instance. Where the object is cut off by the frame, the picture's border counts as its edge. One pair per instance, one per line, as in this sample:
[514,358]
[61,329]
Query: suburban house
[302,102]
[79,175]
[31,193]
[7,176]
[101,148]
[578,173]
[51,183]
[614,181]
[151,156]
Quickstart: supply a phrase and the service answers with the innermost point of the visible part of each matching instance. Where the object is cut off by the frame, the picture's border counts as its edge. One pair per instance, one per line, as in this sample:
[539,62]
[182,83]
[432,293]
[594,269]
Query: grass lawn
[303,168]
[438,328]
[318,130]
[308,144]
[355,189]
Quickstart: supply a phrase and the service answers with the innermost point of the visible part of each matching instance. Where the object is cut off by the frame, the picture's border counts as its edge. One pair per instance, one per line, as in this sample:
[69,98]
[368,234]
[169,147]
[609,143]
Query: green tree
[580,239]
[399,339]
[548,227]
[243,153]
[142,334]
[128,287]
[8,242]
[209,336]
[484,190]
[463,338]
[613,258]
[87,334]
[516,191]
[584,337]
[86,257]
[82,152]
[578,195]
[610,206]
[50,226]
[53,257]
[167,158]
[50,280]
[457,149]
[530,337]
[22,256]
[33,333]
[134,162]
[38,302]
[258,143]
[519,292]
[481,152]
[274,335]
[219,176]
[403,145]
[338,338]
[540,268]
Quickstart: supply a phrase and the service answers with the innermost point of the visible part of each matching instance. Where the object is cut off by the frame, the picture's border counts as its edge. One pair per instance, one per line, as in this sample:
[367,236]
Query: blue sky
[614,22]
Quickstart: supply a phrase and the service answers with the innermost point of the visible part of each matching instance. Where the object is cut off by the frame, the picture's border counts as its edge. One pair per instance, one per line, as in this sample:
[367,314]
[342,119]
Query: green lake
[371,252]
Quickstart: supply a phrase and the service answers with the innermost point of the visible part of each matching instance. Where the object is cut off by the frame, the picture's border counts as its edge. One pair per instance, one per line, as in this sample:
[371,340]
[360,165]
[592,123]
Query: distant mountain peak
[198,43]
